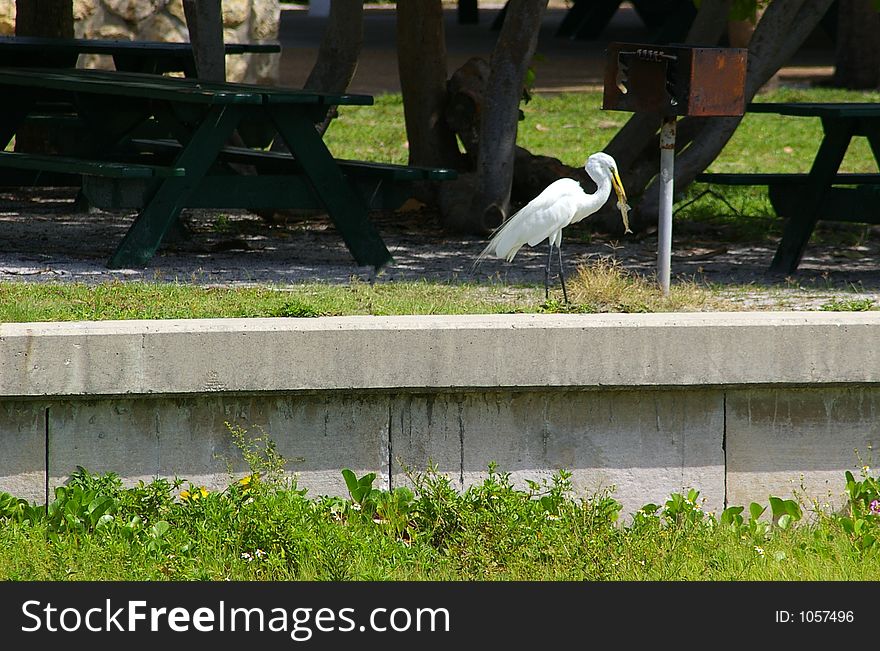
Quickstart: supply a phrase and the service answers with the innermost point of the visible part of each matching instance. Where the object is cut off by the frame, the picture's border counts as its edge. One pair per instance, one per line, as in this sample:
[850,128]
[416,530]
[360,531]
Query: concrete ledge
[739,405]
[115,358]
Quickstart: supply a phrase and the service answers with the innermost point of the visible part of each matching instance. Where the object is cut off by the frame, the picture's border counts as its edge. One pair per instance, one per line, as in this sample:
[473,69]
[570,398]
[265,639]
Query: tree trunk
[421,62]
[498,122]
[340,48]
[204,20]
[332,72]
[50,18]
[858,45]
[339,52]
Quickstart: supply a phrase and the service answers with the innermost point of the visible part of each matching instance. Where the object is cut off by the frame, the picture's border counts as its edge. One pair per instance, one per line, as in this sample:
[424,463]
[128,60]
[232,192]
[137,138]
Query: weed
[606,286]
[849,305]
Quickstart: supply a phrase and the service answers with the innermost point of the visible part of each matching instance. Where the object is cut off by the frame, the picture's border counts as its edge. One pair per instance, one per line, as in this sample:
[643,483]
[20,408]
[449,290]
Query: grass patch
[849,305]
[262,526]
[571,126]
[25,302]
[605,286]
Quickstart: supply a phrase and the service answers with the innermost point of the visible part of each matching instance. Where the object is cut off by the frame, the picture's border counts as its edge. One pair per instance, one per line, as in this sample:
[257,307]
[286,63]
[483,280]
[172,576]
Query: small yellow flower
[195,494]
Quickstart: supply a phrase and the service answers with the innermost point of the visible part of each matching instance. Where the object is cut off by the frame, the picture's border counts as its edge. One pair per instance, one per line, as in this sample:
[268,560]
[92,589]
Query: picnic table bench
[803,199]
[190,166]
[156,57]
[59,122]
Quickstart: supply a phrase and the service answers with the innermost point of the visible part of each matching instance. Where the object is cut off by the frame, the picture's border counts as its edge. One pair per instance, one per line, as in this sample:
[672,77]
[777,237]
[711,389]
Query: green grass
[262,527]
[571,126]
[22,302]
[604,286]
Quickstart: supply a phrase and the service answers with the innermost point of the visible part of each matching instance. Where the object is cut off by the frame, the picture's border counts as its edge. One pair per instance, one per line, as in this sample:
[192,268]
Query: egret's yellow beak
[621,199]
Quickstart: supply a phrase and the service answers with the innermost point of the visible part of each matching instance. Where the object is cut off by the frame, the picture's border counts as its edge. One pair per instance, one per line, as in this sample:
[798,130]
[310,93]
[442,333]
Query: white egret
[563,202]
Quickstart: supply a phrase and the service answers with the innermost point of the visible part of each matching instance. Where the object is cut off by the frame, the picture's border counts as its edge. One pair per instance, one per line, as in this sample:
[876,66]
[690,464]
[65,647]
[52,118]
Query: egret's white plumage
[563,202]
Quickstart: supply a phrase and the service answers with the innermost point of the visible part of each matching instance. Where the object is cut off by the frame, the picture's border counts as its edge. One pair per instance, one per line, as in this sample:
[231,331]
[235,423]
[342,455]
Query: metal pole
[664,229]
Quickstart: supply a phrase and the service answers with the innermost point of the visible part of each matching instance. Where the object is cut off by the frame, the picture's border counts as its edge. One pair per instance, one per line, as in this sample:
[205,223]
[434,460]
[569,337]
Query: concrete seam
[390,439]
[461,442]
[156,420]
[46,454]
[724,441]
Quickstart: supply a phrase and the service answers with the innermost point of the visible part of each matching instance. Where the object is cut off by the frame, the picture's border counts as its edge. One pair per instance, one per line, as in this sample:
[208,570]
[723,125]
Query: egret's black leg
[562,273]
[547,273]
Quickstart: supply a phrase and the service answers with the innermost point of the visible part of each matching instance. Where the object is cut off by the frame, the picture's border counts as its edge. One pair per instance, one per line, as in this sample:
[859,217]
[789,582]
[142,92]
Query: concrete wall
[739,406]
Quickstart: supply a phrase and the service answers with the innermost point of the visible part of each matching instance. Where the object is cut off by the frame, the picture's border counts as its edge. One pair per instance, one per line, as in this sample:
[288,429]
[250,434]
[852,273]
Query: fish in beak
[622,205]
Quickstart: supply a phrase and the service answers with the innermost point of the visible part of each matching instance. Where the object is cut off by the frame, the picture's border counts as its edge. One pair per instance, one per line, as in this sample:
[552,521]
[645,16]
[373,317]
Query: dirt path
[46,239]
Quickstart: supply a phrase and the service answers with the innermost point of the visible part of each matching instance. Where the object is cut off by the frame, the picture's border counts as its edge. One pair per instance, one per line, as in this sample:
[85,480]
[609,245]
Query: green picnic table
[804,199]
[192,166]
[155,57]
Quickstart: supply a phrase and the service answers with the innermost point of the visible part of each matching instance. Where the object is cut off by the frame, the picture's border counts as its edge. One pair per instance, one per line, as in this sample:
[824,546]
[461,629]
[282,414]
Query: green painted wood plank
[720,178]
[268,94]
[817,109]
[67,165]
[275,160]
[40,45]
[122,84]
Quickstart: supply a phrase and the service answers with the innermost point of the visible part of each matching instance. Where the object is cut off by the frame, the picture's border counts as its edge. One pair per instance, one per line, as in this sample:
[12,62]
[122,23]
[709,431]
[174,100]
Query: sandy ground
[44,237]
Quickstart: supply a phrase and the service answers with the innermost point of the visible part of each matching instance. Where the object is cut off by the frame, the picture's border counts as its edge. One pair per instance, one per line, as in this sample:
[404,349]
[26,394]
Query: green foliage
[849,305]
[494,529]
[18,510]
[682,509]
[864,510]
[260,454]
[300,309]
[79,510]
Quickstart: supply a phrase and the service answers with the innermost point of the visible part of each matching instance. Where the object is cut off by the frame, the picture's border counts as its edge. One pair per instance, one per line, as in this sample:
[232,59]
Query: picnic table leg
[163,208]
[872,131]
[805,212]
[345,208]
[12,114]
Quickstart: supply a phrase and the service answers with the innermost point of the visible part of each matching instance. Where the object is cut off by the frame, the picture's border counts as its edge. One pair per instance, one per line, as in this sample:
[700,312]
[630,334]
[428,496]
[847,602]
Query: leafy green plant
[77,510]
[14,508]
[493,529]
[785,512]
[261,455]
[360,488]
[682,509]
[393,510]
[863,519]
[552,497]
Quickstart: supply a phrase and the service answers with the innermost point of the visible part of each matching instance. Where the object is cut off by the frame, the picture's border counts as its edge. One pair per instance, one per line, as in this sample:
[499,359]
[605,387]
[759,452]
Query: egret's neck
[603,183]
[592,202]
